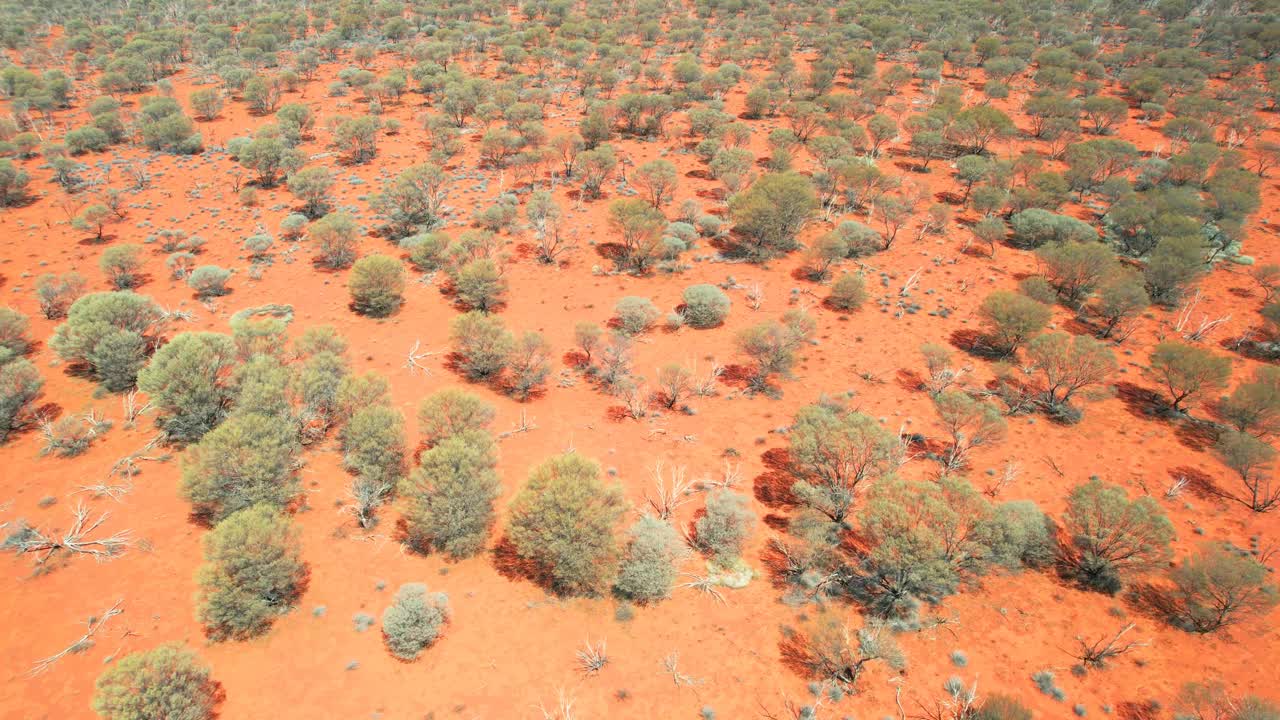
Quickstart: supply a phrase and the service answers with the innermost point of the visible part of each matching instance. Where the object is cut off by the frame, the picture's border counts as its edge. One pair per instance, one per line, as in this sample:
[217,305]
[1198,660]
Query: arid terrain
[718,646]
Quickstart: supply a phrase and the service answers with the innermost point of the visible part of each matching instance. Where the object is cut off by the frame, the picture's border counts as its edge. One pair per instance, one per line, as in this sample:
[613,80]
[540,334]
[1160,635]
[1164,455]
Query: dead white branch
[85,641]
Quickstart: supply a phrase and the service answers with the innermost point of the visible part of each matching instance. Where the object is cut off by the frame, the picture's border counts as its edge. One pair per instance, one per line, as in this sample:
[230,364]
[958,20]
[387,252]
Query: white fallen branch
[85,641]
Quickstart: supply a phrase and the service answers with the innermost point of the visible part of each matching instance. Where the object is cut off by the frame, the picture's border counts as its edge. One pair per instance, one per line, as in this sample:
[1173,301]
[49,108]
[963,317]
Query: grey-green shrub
[168,681]
[188,383]
[209,280]
[449,497]
[252,573]
[111,333]
[705,306]
[20,386]
[247,460]
[13,331]
[450,411]
[414,620]
[649,564]
[724,529]
[848,292]
[635,314]
[376,285]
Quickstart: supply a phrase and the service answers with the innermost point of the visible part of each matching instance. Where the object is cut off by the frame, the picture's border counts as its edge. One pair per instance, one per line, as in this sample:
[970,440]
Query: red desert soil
[510,645]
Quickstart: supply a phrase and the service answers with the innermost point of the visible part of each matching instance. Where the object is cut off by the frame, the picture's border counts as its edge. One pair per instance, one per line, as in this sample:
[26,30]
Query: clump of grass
[363,621]
[959,658]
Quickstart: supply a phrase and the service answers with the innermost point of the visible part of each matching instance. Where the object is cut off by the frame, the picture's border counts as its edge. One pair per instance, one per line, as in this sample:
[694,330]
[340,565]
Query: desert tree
[773,347]
[189,383]
[587,337]
[56,293]
[481,344]
[1075,269]
[1251,460]
[1254,406]
[772,211]
[969,422]
[334,238]
[13,184]
[413,201]
[269,158]
[1012,319]
[1211,701]
[1064,365]
[449,496]
[311,185]
[111,334]
[479,285]
[122,264]
[94,218]
[639,228]
[168,681]
[528,364]
[594,167]
[373,449]
[205,103]
[564,521]
[13,332]
[1121,297]
[20,387]
[657,180]
[261,386]
[650,561]
[832,651]
[1112,536]
[357,138]
[848,292]
[547,219]
[1187,373]
[252,574]
[833,452]
[249,459]
[209,281]
[450,411]
[1218,587]
[376,285]
[414,620]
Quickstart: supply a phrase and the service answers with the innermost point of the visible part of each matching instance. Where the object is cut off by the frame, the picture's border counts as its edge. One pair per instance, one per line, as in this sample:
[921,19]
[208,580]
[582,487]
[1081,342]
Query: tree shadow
[1139,401]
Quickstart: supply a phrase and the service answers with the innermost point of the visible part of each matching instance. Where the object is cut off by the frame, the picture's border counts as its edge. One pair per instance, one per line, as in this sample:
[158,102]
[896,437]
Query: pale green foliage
[111,333]
[252,574]
[449,497]
[649,563]
[247,460]
[450,411]
[705,306]
[723,530]
[414,620]
[833,452]
[188,382]
[168,681]
[564,520]
[1113,536]
[377,285]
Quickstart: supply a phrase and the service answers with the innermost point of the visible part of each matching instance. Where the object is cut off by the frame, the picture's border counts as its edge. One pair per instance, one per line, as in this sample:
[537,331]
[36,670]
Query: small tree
[376,285]
[311,185]
[56,293]
[189,382]
[206,103]
[168,681]
[481,344]
[13,332]
[1076,268]
[1188,373]
[412,202]
[373,448]
[772,347]
[247,460]
[357,138]
[1254,406]
[1113,536]
[563,521]
[833,451]
[705,306]
[93,218]
[649,564]
[270,158]
[209,281]
[639,226]
[833,652]
[334,237]
[1012,319]
[1220,586]
[724,529]
[479,285]
[20,387]
[1251,460]
[122,265]
[970,422]
[1066,364]
[657,179]
[450,411]
[414,620]
[529,363]
[772,211]
[1121,297]
[252,573]
[449,497]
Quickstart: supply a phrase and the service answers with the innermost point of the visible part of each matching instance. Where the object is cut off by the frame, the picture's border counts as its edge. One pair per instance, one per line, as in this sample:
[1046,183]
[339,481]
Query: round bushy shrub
[635,314]
[376,285]
[705,306]
[166,682]
[413,621]
[209,280]
[848,292]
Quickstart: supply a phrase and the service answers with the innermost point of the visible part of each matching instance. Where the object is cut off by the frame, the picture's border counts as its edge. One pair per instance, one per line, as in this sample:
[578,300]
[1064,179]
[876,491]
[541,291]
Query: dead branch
[706,585]
[523,427]
[76,540]
[670,492]
[85,641]
[670,664]
[593,658]
[413,359]
[127,466]
[1099,652]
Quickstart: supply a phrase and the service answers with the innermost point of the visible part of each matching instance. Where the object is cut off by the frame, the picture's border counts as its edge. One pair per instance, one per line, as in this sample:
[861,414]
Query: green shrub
[252,574]
[427,251]
[373,448]
[209,281]
[414,620]
[649,564]
[1188,373]
[248,460]
[1012,319]
[479,285]
[705,306]
[563,521]
[334,237]
[13,332]
[451,411]
[20,387]
[833,451]
[111,334]
[187,381]
[449,497]
[481,344]
[772,211]
[1218,587]
[168,681]
[725,527]
[635,315]
[122,264]
[1113,536]
[56,293]
[377,285]
[848,292]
